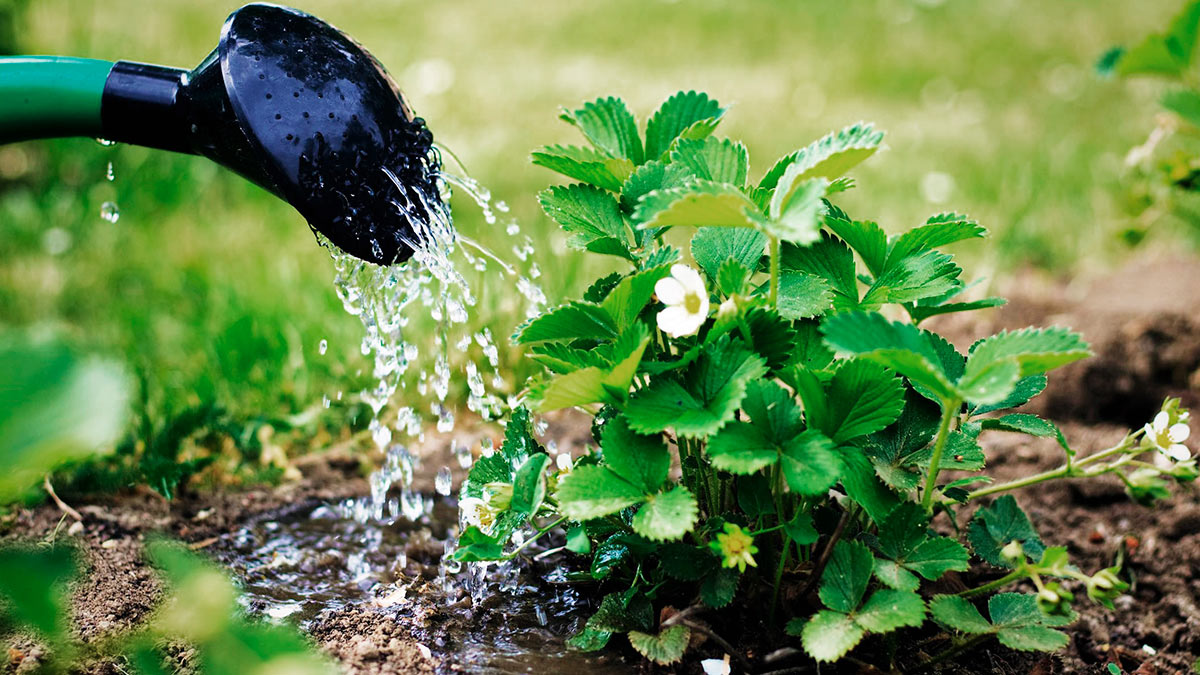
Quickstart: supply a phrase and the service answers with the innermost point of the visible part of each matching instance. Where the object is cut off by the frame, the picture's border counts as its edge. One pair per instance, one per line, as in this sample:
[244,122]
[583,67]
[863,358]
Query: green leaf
[861,398]
[665,648]
[810,466]
[754,495]
[990,383]
[921,311]
[701,204]
[641,460]
[713,246]
[742,448]
[994,526]
[773,410]
[54,407]
[889,609]
[713,159]
[707,397]
[651,176]
[800,529]
[667,516]
[1025,389]
[686,562]
[1164,54]
[797,217]
[895,576]
[1183,102]
[1033,638]
[1027,424]
[578,541]
[589,639]
[529,485]
[619,612]
[830,157]
[962,453]
[34,583]
[902,347]
[626,301]
[610,126]
[864,487]
[476,546]
[958,614]
[594,491]
[929,274]
[572,321]
[892,450]
[904,538]
[1036,350]
[829,259]
[803,296]
[938,231]
[684,111]
[719,588]
[846,576]
[827,636]
[733,277]
[584,164]
[585,212]
[1022,625]
[866,238]
[599,385]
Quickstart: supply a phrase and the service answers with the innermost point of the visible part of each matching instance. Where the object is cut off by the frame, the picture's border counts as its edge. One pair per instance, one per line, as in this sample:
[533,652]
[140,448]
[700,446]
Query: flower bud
[498,495]
[1013,552]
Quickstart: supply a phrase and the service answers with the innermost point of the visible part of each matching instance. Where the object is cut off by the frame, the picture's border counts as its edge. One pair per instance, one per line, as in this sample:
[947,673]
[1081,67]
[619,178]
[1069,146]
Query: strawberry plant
[771,418]
[1166,167]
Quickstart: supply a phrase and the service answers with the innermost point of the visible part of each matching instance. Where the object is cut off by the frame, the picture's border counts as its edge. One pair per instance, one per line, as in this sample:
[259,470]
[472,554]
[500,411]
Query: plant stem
[951,652]
[783,561]
[1065,471]
[949,412]
[774,297]
[535,537]
[1005,580]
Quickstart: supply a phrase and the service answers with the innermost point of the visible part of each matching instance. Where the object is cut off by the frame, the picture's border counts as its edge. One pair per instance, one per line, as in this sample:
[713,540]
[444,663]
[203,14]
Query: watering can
[286,100]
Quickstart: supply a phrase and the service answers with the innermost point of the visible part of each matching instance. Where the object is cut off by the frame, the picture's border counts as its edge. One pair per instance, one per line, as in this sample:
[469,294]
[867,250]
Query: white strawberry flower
[1169,438]
[475,511]
[563,461]
[686,299]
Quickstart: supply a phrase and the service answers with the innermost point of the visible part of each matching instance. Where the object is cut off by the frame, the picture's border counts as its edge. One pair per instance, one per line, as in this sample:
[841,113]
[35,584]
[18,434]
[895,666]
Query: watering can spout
[285,100]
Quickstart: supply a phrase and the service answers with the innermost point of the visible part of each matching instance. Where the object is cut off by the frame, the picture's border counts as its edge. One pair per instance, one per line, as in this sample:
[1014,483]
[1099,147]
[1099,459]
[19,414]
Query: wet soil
[1144,324]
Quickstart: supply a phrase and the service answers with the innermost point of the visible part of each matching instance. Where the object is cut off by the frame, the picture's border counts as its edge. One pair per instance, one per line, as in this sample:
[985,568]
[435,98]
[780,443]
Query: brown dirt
[1144,324]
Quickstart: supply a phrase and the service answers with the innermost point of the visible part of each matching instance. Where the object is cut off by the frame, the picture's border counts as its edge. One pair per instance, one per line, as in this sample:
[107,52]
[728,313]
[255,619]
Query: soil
[1147,341]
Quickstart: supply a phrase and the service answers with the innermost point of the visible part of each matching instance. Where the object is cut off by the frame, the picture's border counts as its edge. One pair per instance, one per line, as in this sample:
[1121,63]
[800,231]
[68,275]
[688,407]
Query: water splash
[433,292]
[110,212]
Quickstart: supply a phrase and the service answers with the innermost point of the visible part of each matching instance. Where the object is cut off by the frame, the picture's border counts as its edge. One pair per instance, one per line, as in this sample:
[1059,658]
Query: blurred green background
[215,294]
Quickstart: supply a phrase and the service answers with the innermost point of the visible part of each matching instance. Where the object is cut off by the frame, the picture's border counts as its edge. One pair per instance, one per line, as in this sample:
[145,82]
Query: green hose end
[51,97]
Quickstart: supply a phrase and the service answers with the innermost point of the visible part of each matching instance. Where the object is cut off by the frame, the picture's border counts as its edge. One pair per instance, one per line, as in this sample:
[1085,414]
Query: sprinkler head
[298,107]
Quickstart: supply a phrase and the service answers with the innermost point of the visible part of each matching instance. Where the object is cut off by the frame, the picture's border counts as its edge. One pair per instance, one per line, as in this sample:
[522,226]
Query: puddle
[303,564]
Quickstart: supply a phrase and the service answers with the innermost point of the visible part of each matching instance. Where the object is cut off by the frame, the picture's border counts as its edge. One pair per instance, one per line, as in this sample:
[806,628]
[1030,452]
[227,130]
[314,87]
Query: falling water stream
[387,548]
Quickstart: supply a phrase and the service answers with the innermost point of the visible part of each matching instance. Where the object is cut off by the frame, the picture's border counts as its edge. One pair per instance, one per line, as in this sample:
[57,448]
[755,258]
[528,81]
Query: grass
[213,291]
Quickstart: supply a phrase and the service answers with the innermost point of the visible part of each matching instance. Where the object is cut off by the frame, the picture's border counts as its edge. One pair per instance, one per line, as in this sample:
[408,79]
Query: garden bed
[1144,324]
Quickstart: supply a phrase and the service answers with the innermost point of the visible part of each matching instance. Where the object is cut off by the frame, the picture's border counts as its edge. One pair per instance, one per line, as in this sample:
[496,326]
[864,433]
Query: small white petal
[1161,420]
[1179,433]
[673,320]
[714,667]
[669,291]
[1179,453]
[563,461]
[690,278]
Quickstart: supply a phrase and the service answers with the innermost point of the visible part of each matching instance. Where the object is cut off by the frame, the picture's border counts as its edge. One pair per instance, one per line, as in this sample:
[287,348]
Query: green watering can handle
[51,97]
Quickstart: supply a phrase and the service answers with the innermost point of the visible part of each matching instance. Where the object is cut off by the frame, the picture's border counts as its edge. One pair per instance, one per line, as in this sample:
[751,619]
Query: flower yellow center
[691,303]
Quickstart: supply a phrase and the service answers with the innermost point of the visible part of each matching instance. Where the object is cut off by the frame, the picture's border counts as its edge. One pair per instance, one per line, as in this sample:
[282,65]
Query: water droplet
[106,142]
[110,212]
[463,454]
[442,483]
[323,347]
[109,173]
[325,401]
